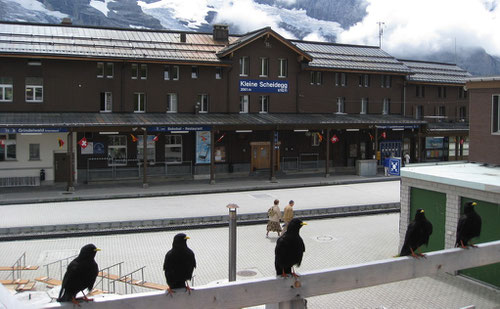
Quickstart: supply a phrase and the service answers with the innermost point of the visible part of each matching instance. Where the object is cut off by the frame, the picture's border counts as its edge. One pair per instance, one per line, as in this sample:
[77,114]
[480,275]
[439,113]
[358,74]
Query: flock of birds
[180,261]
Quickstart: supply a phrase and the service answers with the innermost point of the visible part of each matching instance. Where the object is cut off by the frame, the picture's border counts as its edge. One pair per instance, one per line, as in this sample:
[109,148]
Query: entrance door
[260,155]
[61,167]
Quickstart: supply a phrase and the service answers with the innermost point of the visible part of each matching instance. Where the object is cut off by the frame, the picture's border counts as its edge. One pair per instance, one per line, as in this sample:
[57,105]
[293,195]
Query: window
[173,149]
[175,72]
[340,105]
[172,103]
[364,80]
[264,104]
[315,140]
[195,72]
[420,91]
[441,111]
[171,72]
[117,150]
[495,115]
[166,72]
[202,102]
[442,92]
[106,101]
[316,78]
[244,66]
[109,70]
[7,147]
[462,94]
[144,71]
[139,71]
[6,89]
[218,73]
[386,106]
[100,69]
[135,71]
[264,67]
[34,152]
[150,149]
[340,79]
[34,89]
[462,113]
[244,103]
[386,81]
[419,112]
[283,68]
[364,106]
[139,102]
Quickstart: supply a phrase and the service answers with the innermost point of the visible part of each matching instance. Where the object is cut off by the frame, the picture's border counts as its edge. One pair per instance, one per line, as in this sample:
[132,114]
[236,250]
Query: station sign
[394,166]
[177,128]
[399,127]
[263,86]
[32,130]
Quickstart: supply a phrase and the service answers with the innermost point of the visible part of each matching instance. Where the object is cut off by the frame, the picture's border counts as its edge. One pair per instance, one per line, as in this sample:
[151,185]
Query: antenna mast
[380,32]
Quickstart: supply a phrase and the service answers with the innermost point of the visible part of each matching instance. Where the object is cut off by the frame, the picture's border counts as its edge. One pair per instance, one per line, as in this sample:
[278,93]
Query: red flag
[155,139]
[61,142]
[334,139]
[134,139]
[2,143]
[384,135]
[220,138]
[83,143]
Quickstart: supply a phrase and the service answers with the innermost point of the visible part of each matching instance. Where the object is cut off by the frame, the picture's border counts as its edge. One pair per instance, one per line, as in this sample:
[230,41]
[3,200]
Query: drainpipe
[404,98]
[71,187]
[144,158]
[327,159]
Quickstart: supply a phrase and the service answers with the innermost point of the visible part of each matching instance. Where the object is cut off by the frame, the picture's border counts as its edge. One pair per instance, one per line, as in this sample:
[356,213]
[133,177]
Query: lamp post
[232,241]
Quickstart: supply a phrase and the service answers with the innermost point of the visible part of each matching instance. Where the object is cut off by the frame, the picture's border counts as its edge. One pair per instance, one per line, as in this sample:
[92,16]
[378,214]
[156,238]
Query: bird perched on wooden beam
[179,264]
[289,249]
[417,234]
[80,275]
[469,226]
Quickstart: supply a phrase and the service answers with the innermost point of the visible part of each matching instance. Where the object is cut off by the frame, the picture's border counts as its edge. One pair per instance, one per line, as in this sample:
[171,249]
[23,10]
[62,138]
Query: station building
[87,104]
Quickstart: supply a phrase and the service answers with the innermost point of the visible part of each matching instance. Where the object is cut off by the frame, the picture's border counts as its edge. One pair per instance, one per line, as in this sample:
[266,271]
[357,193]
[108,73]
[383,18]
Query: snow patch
[101,5]
[34,5]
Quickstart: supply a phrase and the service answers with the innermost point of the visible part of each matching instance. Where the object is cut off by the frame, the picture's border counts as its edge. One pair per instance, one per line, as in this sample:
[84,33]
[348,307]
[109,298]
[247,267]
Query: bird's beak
[474,203]
[422,211]
[97,249]
[187,237]
[303,223]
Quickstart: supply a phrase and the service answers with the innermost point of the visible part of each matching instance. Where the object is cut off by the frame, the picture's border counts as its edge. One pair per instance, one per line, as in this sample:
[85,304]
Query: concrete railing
[273,290]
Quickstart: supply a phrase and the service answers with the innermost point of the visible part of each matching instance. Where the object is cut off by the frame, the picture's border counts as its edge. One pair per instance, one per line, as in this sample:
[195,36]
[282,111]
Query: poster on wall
[89,149]
[220,154]
[202,147]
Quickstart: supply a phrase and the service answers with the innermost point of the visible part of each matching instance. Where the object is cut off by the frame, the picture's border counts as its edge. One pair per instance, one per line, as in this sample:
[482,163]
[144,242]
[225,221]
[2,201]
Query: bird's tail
[63,296]
[405,251]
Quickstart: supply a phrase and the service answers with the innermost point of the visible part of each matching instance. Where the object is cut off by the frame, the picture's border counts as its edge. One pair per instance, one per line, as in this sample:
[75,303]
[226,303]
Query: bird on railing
[469,226]
[289,249]
[80,275]
[417,234]
[179,264]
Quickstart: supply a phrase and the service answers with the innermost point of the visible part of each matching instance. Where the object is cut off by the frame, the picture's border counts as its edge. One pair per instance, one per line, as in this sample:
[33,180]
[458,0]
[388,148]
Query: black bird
[289,249]
[80,275]
[179,264]
[418,233]
[469,226]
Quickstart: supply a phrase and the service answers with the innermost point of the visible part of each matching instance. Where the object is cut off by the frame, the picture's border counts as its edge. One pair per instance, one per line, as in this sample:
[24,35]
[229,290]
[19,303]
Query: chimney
[221,33]
[66,21]
[183,38]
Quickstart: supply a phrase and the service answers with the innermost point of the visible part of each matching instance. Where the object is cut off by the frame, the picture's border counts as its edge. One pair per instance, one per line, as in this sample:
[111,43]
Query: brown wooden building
[205,104]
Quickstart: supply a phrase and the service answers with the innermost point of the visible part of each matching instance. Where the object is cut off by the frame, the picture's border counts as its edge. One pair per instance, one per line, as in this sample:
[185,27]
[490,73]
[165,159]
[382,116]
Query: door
[260,155]
[61,167]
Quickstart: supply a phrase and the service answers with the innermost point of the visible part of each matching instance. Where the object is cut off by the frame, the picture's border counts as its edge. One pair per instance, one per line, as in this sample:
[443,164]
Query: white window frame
[264,104]
[244,102]
[386,81]
[264,67]
[340,79]
[315,139]
[177,143]
[495,107]
[218,72]
[202,101]
[195,72]
[150,148]
[34,152]
[112,66]
[121,146]
[316,78]
[419,112]
[137,102]
[143,71]
[134,70]
[244,66]
[340,105]
[3,92]
[100,69]
[108,102]
[166,72]
[283,68]
[386,106]
[36,98]
[364,106]
[172,103]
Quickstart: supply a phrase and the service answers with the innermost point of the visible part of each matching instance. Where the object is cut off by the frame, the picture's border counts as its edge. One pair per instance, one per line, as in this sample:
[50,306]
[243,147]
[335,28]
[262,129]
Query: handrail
[273,290]
[60,265]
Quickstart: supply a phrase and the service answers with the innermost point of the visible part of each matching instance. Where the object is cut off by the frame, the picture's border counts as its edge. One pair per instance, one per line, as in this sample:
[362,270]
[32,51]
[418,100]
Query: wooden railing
[272,290]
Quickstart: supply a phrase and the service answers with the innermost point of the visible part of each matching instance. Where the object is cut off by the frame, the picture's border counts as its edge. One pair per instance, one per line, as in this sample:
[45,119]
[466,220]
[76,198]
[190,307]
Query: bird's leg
[188,288]
[283,274]
[462,244]
[75,302]
[472,245]
[170,292]
[85,298]
[413,254]
[421,254]
[294,274]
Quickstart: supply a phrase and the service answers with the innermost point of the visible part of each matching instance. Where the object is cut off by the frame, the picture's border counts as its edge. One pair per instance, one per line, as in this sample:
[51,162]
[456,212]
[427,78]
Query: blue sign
[99,148]
[394,166]
[32,130]
[266,86]
[178,128]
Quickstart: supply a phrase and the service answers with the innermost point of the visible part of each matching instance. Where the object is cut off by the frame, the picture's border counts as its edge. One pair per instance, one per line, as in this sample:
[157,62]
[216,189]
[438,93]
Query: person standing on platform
[274,215]
[288,214]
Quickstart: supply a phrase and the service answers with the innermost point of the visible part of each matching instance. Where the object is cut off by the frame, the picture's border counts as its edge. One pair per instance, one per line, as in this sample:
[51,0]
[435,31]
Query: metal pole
[327,158]
[144,158]
[232,241]
[272,154]
[70,187]
[212,156]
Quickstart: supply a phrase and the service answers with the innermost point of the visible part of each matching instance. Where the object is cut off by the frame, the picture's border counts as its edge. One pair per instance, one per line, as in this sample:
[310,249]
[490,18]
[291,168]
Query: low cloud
[427,26]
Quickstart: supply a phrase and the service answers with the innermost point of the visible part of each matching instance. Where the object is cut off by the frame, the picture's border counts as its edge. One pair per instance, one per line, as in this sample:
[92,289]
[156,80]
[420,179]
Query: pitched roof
[351,57]
[435,72]
[254,35]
